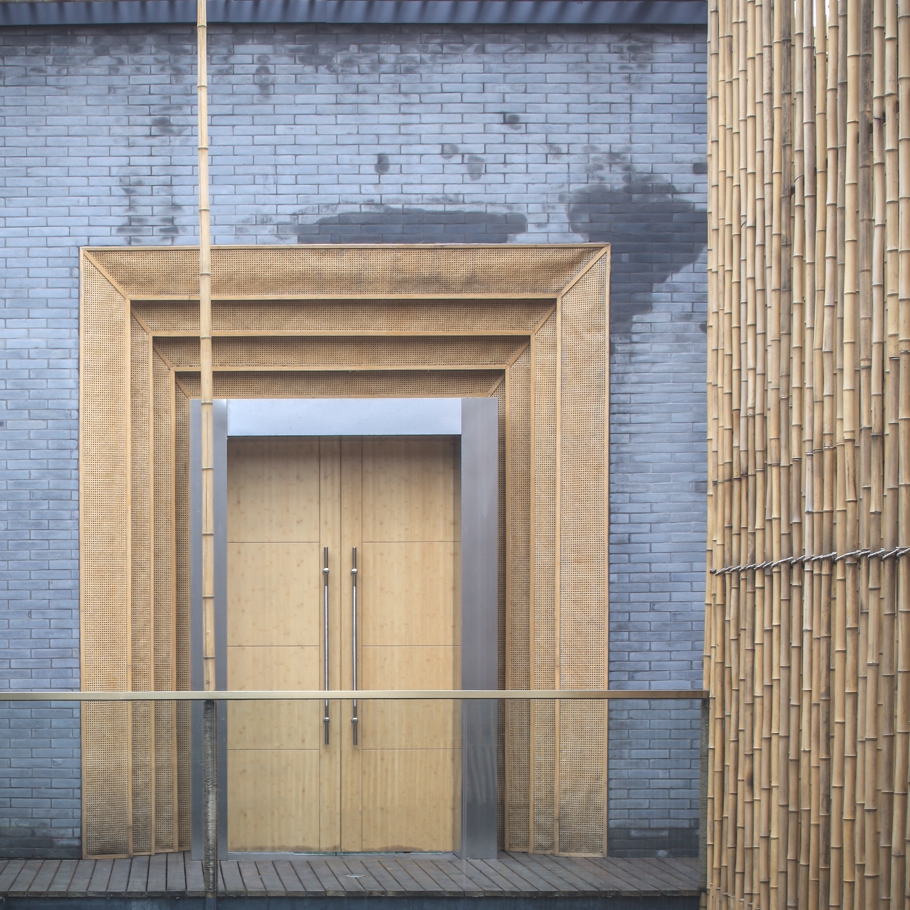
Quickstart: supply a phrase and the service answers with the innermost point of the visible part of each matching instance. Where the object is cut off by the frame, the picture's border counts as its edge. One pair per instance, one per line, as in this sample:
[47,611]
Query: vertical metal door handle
[325,621]
[354,719]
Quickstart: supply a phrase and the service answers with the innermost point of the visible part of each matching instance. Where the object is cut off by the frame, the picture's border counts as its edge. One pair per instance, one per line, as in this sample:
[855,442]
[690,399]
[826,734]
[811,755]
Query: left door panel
[277,762]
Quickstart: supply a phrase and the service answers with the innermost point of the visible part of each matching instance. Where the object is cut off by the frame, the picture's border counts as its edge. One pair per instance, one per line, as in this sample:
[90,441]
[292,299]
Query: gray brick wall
[330,133]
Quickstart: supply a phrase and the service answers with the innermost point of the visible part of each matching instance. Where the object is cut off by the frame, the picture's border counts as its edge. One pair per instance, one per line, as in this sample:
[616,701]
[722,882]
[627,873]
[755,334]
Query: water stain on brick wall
[406,224]
[654,230]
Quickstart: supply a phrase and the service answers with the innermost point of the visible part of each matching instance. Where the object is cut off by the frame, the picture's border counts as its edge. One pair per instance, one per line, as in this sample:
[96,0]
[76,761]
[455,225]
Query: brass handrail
[366,695]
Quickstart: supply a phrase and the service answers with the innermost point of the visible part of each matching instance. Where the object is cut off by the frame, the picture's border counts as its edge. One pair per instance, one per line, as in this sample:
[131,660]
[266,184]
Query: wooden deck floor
[511,875]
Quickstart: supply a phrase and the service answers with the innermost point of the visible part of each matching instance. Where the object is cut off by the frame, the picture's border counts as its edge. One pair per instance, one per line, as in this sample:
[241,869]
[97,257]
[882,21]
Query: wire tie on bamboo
[806,558]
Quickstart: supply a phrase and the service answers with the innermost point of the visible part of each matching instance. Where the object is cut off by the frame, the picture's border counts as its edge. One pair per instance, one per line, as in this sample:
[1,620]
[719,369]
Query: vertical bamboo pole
[829,453]
[890,535]
[210,759]
[714,650]
[900,815]
[873,292]
[800,595]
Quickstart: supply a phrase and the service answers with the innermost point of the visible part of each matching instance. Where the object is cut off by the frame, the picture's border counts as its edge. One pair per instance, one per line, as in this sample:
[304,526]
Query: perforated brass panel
[552,389]
[141,603]
[375,271]
[582,633]
[182,605]
[439,316]
[543,593]
[105,562]
[517,640]
[352,353]
[164,604]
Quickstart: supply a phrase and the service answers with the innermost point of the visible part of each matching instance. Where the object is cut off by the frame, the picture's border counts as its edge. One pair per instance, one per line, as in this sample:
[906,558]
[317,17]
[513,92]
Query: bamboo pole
[210,718]
[900,815]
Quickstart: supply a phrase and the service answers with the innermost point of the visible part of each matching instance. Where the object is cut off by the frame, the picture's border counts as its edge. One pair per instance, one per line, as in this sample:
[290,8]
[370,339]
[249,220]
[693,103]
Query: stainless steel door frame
[475,421]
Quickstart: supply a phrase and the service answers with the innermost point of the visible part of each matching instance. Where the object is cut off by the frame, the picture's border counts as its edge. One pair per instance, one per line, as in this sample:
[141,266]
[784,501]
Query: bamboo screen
[526,324]
[808,607]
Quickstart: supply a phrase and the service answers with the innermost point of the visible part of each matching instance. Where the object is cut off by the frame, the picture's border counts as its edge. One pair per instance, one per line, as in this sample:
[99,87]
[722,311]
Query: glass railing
[368,792]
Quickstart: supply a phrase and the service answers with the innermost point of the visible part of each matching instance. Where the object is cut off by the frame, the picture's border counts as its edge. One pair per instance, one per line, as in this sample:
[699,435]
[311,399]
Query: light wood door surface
[283,782]
[396,501]
[401,784]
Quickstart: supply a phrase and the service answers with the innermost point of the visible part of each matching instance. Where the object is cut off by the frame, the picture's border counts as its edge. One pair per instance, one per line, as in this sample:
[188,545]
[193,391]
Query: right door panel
[406,777]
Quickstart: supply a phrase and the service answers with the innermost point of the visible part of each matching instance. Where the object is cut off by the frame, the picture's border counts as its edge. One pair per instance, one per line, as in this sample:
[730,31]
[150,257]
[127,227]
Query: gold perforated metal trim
[355,353]
[338,270]
[390,321]
[105,562]
[433,316]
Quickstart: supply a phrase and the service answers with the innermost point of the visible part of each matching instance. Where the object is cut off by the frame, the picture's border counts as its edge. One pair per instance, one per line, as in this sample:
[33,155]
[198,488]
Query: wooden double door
[291,500]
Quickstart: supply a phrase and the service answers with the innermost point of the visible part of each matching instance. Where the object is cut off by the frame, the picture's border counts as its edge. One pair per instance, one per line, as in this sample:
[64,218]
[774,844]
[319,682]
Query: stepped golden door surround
[527,324]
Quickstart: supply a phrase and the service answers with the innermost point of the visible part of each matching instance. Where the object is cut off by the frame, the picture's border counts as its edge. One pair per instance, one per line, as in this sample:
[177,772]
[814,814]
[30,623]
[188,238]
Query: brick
[534,135]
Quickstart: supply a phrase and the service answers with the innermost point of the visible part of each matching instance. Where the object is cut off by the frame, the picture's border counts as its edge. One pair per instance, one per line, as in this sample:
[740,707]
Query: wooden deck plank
[586,875]
[427,883]
[274,887]
[175,875]
[192,870]
[330,884]
[631,870]
[535,865]
[233,881]
[41,882]
[533,882]
[346,878]
[686,877]
[662,871]
[487,870]
[450,884]
[62,877]
[685,867]
[627,879]
[476,878]
[557,873]
[308,878]
[120,876]
[157,880]
[519,884]
[251,880]
[364,874]
[386,880]
[367,880]
[606,882]
[139,875]
[81,877]
[100,876]
[400,874]
[20,884]
[289,880]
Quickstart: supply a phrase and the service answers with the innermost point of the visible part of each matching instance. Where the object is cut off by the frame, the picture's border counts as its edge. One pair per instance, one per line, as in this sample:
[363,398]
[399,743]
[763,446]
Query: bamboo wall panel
[515,348]
[807,627]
